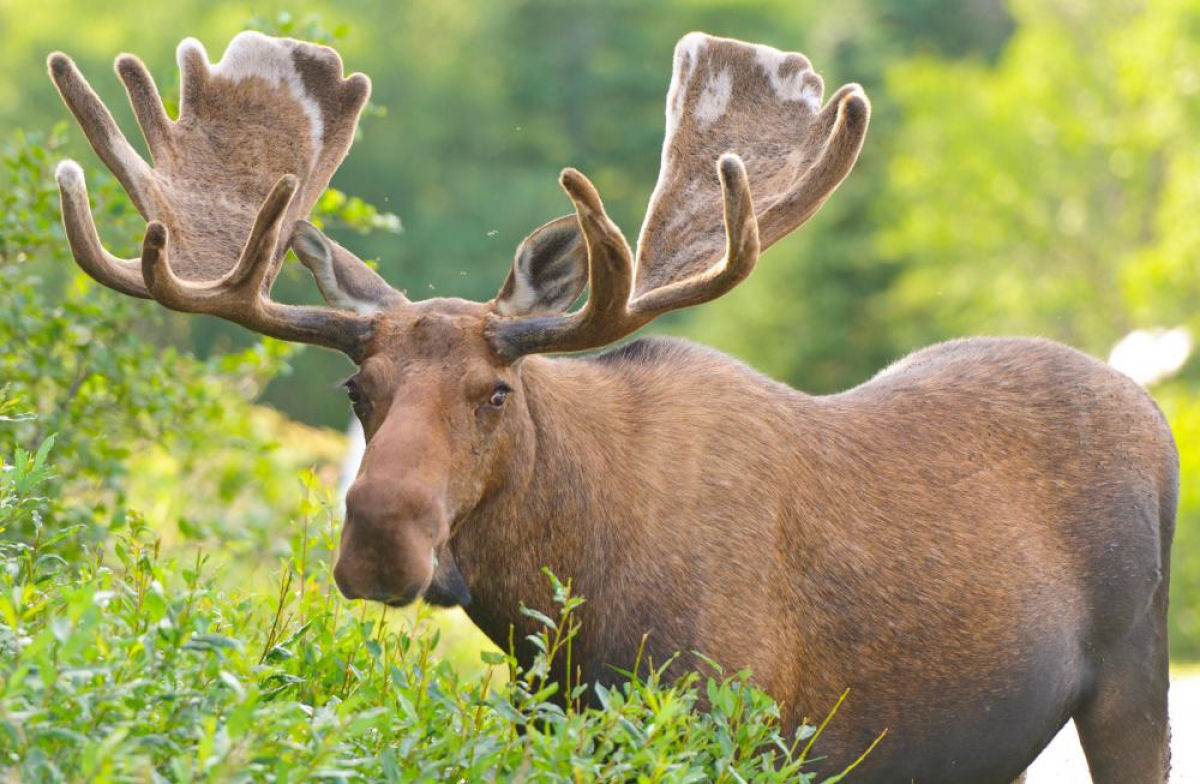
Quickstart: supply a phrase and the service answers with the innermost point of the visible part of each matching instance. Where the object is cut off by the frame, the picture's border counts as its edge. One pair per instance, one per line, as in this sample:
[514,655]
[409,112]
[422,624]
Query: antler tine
[147,104]
[100,127]
[243,294]
[608,314]
[192,59]
[741,249]
[846,116]
[605,315]
[235,292]
[124,275]
[610,268]
[344,280]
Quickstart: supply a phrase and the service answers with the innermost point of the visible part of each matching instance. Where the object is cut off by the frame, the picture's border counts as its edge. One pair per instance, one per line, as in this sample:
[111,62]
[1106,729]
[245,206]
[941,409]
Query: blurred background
[1032,168]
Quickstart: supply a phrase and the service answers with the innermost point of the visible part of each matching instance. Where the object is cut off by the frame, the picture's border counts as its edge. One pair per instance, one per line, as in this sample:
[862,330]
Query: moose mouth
[448,588]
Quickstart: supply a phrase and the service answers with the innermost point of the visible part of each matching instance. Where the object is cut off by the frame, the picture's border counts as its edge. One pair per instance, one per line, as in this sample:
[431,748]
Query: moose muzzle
[387,546]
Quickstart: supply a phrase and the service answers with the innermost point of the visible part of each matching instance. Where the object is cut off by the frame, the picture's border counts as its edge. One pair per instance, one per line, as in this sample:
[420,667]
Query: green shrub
[81,363]
[128,665]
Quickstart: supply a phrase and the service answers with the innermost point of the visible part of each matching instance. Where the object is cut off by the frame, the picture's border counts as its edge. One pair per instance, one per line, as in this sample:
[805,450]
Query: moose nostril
[343,584]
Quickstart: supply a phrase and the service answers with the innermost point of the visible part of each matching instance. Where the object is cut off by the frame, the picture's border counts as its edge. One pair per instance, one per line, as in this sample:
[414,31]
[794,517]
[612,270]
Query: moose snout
[387,545]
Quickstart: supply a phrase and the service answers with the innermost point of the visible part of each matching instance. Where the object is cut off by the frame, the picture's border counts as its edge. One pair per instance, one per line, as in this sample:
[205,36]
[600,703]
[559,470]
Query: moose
[975,542]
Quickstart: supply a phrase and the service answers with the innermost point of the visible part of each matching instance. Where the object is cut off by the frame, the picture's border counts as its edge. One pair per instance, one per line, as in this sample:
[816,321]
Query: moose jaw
[975,542]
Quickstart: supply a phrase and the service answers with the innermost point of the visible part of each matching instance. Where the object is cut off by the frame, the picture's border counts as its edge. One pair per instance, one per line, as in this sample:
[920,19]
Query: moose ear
[549,270]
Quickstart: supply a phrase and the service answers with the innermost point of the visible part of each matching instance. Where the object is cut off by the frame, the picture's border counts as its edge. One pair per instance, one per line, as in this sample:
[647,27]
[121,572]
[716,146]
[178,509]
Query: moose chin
[975,542]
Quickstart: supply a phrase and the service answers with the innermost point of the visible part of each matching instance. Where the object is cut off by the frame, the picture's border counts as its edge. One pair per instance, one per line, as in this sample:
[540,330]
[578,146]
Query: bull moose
[975,541]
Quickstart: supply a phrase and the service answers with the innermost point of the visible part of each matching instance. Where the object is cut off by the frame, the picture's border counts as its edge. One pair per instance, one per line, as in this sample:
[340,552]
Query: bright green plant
[128,665]
[81,365]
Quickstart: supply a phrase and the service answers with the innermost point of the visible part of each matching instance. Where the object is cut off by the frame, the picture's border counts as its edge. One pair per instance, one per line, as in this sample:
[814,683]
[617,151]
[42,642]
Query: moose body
[975,542]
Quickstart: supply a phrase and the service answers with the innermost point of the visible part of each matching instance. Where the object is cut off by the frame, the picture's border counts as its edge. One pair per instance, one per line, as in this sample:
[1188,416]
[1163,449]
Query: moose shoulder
[975,542]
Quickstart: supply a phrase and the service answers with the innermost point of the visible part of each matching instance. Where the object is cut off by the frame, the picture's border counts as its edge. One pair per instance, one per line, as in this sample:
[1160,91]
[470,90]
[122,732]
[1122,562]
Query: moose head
[750,154]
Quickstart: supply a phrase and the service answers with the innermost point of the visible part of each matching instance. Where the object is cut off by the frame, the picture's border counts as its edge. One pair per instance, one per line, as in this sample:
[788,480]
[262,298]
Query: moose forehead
[432,330]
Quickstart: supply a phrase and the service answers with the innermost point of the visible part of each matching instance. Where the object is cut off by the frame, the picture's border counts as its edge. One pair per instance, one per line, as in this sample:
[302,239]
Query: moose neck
[551,511]
[608,490]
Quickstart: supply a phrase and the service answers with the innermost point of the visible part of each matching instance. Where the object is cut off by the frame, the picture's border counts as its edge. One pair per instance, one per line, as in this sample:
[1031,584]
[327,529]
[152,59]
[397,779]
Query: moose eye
[499,395]
[357,401]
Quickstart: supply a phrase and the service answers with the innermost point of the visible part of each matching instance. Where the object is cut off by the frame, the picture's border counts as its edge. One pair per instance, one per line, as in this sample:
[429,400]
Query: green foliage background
[1031,169]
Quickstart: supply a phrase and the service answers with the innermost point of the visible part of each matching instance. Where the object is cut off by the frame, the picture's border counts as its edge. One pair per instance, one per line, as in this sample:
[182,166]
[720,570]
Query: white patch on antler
[789,87]
[69,176]
[714,98]
[687,55]
[252,54]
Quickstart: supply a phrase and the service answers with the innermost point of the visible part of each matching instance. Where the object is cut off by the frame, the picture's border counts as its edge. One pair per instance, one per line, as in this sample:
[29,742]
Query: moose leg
[1123,725]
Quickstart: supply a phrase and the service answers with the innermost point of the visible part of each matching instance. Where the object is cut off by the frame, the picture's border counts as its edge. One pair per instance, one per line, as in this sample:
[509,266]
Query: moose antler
[755,113]
[258,137]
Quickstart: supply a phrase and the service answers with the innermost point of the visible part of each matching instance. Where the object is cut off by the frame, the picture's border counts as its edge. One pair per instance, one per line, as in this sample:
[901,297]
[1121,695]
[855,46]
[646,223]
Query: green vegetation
[165,609]
[126,666]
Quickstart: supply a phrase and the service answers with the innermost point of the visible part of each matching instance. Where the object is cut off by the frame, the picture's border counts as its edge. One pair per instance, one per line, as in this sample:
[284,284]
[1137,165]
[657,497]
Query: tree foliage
[1051,194]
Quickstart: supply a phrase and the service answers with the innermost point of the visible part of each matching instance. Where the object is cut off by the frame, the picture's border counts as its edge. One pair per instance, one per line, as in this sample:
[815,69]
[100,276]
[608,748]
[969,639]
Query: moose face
[442,409]
[441,412]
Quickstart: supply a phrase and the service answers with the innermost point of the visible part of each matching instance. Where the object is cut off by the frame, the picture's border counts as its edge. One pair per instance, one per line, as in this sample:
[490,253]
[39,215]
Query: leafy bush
[128,665]
[81,364]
